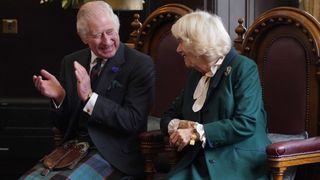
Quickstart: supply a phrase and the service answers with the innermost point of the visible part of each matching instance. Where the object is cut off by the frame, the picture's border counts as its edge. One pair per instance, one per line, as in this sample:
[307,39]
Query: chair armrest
[282,155]
[154,136]
[152,144]
[294,147]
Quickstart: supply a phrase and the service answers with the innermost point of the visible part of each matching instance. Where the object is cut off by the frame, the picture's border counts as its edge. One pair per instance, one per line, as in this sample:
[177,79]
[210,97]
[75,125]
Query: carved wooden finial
[240,31]
[136,26]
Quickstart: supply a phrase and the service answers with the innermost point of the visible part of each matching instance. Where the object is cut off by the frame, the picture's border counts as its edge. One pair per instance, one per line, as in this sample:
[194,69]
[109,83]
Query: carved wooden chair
[285,44]
[155,39]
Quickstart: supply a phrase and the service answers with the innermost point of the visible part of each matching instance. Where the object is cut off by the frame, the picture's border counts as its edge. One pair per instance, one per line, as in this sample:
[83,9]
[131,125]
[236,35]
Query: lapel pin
[228,70]
[115,69]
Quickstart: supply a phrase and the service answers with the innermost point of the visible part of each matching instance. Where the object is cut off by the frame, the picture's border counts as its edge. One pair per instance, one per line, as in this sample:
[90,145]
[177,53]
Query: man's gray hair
[92,9]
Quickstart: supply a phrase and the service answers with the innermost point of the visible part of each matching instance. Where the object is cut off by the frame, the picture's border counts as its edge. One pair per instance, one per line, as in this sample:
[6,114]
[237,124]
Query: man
[109,111]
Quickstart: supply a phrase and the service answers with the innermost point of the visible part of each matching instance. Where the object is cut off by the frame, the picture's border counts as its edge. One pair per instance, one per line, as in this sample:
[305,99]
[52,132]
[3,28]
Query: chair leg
[149,168]
[277,173]
[172,155]
[150,151]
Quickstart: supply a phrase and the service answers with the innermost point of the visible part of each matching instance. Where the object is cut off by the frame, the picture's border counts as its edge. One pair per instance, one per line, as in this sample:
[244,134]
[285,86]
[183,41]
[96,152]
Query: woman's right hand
[181,138]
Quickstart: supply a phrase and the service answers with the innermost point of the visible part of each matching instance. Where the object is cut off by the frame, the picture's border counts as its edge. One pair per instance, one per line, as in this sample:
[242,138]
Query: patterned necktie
[95,72]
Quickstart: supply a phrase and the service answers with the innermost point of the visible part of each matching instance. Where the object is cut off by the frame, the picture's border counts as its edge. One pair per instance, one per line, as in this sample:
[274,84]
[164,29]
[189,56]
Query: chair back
[156,40]
[285,43]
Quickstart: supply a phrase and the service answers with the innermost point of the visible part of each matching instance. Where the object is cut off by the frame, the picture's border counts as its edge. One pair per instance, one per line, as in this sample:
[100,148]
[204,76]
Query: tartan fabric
[93,166]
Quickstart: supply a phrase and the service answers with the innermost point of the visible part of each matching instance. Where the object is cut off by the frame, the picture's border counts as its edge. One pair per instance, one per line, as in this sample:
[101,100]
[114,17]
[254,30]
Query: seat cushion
[153,123]
[274,137]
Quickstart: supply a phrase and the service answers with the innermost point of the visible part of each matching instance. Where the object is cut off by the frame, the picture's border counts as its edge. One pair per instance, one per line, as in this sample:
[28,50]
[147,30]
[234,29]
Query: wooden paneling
[25,135]
[231,10]
[45,34]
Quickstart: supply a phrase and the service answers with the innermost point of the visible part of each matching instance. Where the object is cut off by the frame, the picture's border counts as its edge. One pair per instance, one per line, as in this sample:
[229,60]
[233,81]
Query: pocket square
[114,84]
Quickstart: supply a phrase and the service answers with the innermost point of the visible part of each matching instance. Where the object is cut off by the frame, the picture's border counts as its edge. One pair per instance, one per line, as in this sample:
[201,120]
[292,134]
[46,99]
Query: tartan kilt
[93,166]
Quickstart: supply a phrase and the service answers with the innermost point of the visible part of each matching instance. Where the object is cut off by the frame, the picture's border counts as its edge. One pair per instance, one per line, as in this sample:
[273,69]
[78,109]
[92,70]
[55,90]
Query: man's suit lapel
[111,69]
[84,60]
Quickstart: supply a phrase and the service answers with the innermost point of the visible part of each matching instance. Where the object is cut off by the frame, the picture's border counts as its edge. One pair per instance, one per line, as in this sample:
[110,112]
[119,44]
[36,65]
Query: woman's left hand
[180,138]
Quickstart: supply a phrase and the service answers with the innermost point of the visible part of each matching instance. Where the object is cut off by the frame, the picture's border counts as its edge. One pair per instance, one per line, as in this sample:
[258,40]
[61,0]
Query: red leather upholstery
[294,147]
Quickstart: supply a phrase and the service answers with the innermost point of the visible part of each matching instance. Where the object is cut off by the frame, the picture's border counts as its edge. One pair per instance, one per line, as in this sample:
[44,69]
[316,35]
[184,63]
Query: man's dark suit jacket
[125,89]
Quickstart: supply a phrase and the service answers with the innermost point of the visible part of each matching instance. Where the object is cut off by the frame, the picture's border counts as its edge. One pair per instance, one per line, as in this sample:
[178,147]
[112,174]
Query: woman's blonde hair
[203,34]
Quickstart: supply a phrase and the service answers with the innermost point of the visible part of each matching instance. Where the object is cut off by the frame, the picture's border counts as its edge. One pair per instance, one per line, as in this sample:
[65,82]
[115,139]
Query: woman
[218,122]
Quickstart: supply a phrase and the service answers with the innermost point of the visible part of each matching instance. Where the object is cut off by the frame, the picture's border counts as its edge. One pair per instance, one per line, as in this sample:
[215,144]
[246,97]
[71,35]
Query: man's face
[103,37]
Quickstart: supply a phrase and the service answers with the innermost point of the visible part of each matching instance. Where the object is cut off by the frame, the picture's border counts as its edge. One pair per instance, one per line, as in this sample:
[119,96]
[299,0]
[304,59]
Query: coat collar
[84,59]
[218,76]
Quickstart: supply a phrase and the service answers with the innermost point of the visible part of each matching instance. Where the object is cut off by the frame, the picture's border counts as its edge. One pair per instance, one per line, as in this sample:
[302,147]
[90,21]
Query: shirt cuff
[173,125]
[200,131]
[88,108]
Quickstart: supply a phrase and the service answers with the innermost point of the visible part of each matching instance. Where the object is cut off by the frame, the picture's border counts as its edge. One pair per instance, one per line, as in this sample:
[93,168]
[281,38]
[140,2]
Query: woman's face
[190,60]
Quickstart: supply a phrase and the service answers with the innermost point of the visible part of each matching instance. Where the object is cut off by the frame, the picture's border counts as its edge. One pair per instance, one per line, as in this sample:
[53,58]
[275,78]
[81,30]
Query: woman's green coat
[234,121]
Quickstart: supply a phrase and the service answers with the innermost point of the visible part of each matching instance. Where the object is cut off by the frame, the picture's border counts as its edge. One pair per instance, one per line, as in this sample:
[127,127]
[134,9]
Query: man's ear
[83,38]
